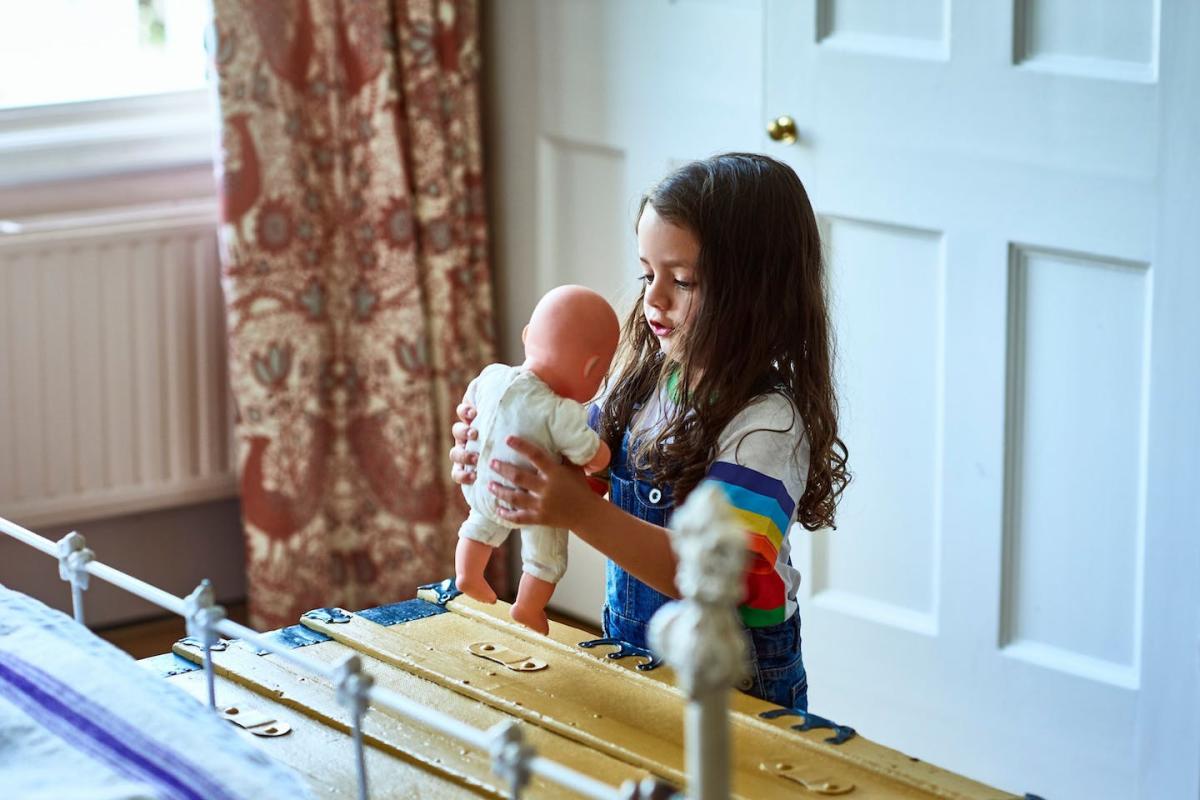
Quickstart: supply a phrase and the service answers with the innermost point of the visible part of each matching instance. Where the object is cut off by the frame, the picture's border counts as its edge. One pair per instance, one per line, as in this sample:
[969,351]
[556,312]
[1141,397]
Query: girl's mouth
[660,330]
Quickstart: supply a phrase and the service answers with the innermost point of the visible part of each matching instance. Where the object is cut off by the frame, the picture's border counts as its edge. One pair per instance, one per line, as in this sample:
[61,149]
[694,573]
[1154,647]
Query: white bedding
[80,719]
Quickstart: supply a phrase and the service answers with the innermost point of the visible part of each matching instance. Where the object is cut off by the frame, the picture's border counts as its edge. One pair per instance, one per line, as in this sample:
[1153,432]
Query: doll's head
[570,341]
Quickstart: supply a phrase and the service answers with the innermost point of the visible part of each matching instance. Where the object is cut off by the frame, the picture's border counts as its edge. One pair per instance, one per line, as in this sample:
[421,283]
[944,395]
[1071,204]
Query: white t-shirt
[763,475]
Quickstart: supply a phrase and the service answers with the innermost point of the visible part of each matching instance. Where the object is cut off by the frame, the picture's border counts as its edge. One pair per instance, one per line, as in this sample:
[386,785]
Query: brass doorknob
[783,129]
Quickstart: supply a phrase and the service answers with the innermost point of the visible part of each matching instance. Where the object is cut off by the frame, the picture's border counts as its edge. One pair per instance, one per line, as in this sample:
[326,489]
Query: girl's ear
[590,365]
[524,334]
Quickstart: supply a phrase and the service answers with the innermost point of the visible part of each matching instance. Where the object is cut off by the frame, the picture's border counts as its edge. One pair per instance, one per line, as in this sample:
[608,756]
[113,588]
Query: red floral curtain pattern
[354,249]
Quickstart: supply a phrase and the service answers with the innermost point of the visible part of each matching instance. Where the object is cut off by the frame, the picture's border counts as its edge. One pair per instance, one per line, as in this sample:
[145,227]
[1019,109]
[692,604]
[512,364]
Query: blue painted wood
[446,590]
[297,636]
[168,664]
[328,615]
[294,637]
[398,613]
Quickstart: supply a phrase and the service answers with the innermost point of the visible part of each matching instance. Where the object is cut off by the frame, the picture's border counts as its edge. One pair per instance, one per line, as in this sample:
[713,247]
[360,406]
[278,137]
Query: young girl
[725,376]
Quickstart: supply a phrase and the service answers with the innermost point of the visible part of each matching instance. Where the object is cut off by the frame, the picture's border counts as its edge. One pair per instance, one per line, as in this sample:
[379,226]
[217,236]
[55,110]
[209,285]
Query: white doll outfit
[514,401]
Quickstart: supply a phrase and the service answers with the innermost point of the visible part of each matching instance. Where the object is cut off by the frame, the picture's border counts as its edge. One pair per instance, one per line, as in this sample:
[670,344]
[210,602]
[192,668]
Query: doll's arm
[578,443]
[597,470]
[600,460]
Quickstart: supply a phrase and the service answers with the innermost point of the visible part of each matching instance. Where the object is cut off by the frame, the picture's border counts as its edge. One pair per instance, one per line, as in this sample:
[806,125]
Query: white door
[593,101]
[1008,192]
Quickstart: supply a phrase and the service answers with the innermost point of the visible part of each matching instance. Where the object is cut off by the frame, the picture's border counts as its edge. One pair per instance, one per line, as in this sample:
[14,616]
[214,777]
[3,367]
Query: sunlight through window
[65,51]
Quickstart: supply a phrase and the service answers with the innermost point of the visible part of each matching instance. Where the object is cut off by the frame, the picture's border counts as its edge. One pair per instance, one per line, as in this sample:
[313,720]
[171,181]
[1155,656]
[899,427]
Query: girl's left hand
[549,493]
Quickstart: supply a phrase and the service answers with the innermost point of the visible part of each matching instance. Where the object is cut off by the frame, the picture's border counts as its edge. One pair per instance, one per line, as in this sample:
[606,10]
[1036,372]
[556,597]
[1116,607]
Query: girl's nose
[655,296]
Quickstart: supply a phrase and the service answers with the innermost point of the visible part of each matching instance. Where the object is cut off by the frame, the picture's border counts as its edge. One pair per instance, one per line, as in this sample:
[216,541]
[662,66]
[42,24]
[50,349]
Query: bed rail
[707,543]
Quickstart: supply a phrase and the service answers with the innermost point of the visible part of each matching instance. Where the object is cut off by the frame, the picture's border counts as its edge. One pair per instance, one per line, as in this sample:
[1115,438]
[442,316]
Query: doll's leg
[543,563]
[478,538]
[532,597]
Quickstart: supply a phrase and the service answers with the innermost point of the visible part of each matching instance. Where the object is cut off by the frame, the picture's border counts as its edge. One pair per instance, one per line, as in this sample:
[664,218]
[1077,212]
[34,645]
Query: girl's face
[669,257]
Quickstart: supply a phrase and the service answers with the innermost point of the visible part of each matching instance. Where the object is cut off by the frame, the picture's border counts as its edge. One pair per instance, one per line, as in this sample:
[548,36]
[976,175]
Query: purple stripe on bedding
[95,730]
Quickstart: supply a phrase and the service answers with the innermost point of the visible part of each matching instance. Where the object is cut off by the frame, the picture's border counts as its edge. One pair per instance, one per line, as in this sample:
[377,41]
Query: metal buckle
[816,786]
[255,721]
[506,656]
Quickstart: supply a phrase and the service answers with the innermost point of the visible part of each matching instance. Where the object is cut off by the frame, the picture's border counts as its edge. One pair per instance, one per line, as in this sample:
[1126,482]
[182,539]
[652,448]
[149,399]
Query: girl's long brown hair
[762,326]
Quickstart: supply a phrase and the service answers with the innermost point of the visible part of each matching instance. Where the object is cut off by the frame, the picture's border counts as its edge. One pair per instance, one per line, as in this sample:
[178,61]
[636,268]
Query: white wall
[510,95]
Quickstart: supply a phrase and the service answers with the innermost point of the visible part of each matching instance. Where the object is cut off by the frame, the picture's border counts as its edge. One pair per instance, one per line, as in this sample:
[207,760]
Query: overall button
[745,684]
[655,495]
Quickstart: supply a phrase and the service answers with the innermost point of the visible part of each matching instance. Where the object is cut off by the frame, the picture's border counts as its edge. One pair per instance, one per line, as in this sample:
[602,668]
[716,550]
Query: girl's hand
[550,493]
[462,469]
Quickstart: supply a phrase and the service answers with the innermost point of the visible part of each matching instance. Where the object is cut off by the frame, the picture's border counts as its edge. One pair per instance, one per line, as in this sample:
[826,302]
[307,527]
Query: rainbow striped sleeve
[765,508]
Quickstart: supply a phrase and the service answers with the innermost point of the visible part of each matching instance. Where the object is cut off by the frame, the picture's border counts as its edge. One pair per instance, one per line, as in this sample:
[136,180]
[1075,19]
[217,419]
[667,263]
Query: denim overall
[777,669]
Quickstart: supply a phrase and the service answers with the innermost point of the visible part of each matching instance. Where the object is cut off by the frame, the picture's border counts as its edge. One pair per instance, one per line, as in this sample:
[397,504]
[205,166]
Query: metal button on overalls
[655,495]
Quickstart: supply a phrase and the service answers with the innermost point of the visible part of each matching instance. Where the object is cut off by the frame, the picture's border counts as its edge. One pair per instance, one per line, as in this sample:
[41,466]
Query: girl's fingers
[521,478]
[517,517]
[462,476]
[516,498]
[462,431]
[466,412]
[461,456]
[536,455]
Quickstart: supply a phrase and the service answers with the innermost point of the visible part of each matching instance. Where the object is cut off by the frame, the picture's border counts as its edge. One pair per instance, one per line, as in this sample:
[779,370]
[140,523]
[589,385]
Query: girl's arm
[556,494]
[639,547]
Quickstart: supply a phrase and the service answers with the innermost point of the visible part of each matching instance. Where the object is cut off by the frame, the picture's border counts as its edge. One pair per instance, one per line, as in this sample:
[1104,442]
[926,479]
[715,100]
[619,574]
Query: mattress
[80,719]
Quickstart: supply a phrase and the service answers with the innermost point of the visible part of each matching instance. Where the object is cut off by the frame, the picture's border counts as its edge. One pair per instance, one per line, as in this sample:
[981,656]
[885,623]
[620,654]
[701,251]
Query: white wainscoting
[113,390]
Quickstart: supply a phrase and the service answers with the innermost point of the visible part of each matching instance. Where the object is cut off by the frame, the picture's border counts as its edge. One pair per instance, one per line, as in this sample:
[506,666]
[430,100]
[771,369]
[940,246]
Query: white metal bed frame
[698,636]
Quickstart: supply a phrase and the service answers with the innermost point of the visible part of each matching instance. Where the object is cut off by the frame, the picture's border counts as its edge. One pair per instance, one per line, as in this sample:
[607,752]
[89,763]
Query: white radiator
[113,389]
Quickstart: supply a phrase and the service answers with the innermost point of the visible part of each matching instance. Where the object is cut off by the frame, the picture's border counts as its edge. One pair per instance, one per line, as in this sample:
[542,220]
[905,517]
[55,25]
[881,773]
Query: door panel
[886,310]
[987,174]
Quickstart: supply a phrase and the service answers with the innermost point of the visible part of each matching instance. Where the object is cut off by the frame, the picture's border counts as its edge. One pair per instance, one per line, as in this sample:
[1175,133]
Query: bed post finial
[510,755]
[353,690]
[700,636]
[73,557]
[201,613]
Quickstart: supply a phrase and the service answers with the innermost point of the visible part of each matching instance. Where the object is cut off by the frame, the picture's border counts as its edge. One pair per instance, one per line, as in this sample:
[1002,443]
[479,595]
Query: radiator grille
[113,388]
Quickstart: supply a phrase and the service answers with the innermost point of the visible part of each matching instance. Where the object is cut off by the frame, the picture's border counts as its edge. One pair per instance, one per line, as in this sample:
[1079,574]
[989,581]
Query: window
[63,51]
[94,86]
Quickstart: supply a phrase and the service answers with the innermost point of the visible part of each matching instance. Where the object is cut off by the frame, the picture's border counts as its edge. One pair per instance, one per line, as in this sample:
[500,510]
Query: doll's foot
[531,617]
[475,587]
[530,608]
[470,559]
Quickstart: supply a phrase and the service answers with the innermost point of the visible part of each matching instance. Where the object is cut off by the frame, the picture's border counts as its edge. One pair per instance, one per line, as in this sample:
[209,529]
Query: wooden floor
[155,636]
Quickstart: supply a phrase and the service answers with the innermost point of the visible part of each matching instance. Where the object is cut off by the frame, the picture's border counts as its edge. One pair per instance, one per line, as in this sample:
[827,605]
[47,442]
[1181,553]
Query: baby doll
[569,343]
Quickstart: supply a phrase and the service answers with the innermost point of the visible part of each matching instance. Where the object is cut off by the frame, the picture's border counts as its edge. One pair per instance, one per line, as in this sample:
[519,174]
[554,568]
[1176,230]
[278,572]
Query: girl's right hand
[462,461]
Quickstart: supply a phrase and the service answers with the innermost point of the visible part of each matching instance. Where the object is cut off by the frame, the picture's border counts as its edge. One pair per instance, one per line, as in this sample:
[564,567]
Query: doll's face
[668,254]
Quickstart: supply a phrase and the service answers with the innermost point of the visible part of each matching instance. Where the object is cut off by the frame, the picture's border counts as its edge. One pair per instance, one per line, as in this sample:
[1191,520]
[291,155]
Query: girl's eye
[684,286]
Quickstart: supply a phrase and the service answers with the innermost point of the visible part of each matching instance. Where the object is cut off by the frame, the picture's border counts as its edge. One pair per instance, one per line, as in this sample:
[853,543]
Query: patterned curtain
[354,249]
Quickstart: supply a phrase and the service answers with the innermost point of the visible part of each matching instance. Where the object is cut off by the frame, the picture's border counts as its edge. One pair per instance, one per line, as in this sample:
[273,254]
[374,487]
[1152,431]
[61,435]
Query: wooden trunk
[598,715]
